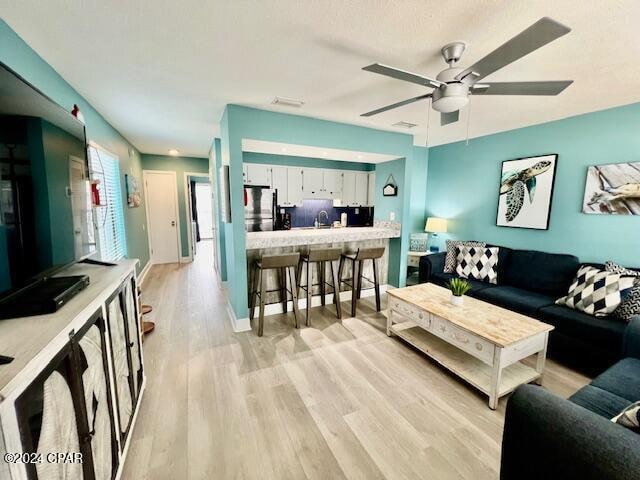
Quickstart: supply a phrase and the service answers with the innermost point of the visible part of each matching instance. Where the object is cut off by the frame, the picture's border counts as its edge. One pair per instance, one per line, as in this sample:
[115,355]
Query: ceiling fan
[453,85]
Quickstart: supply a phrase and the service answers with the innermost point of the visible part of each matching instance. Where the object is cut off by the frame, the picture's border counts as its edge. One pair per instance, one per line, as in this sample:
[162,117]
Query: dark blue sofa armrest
[631,339]
[547,437]
[429,264]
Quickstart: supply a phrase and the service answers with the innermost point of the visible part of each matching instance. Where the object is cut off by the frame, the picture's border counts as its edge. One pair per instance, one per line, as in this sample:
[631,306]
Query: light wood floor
[337,400]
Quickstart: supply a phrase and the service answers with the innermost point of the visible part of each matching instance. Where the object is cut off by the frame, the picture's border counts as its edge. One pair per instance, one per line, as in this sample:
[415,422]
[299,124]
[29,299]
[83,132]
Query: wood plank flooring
[337,400]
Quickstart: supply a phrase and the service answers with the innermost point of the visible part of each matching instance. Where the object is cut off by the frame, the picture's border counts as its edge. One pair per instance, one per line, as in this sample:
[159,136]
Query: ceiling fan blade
[521,88]
[537,35]
[395,105]
[449,117]
[403,75]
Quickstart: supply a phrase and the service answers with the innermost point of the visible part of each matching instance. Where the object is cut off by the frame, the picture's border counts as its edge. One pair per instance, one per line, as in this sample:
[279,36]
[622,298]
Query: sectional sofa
[530,282]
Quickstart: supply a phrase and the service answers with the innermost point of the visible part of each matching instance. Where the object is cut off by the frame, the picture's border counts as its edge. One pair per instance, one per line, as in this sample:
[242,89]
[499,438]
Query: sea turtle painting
[514,183]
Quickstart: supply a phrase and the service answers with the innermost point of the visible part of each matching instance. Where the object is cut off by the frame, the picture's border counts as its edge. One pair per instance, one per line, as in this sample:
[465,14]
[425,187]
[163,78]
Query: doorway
[161,204]
[198,198]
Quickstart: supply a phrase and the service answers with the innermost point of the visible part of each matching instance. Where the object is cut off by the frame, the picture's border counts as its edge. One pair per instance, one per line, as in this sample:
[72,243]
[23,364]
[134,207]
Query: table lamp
[435,225]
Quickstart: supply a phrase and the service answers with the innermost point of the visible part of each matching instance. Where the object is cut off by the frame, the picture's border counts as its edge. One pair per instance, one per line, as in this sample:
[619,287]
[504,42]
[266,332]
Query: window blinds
[109,218]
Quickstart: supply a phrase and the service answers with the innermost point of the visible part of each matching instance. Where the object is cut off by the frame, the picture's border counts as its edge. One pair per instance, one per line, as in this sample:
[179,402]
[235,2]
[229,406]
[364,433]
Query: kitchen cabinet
[362,188]
[294,187]
[371,195]
[313,183]
[256,174]
[355,189]
[332,183]
[279,183]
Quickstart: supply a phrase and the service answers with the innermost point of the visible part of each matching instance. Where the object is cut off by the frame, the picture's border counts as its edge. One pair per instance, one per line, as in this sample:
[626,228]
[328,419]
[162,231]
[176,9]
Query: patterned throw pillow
[477,262]
[596,292]
[630,306]
[450,261]
[629,417]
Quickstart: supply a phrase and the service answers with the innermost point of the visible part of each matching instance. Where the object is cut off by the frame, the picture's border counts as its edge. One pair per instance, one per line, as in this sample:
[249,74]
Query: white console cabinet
[76,381]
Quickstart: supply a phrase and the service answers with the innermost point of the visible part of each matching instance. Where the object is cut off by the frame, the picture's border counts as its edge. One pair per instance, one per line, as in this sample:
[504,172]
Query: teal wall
[18,56]
[246,123]
[215,162]
[308,162]
[463,185]
[180,165]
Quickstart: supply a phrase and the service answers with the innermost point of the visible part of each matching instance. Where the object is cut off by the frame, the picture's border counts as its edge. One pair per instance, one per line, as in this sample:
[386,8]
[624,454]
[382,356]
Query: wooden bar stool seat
[286,265]
[320,256]
[357,260]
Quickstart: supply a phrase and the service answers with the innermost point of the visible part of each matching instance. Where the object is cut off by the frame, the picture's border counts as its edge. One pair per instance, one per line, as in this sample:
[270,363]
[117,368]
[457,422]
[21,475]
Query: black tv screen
[46,217]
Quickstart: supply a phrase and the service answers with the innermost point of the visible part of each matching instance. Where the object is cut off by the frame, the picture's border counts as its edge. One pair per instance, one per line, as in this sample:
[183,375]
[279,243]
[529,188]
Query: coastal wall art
[613,189]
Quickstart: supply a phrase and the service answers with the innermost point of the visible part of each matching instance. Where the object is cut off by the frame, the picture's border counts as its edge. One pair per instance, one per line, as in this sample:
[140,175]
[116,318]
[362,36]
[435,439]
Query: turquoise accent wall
[463,185]
[215,162]
[18,56]
[180,165]
[242,122]
[308,162]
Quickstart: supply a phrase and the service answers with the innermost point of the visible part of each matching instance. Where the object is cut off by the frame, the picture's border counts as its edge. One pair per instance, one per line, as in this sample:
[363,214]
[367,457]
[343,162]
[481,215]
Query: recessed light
[173,152]
[287,102]
[284,149]
[359,157]
[405,124]
[324,153]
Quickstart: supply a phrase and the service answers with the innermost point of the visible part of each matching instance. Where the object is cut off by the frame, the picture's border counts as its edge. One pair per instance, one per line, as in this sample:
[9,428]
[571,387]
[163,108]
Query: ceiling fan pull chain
[468,118]
[426,143]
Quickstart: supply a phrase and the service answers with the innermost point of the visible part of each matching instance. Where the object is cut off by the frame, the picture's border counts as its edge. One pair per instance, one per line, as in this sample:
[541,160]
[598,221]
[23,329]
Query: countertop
[312,236]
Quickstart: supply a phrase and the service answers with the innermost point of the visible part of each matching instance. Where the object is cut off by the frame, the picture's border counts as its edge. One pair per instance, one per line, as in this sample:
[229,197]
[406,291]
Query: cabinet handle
[131,345]
[479,346]
[459,338]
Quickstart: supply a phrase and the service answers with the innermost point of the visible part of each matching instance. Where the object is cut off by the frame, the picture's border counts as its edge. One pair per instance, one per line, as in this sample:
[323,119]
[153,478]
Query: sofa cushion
[622,379]
[442,279]
[517,299]
[599,401]
[604,332]
[450,261]
[629,417]
[549,273]
[479,263]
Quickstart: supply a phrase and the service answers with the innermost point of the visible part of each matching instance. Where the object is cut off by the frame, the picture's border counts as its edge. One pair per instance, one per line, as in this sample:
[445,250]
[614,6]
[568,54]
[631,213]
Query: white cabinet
[313,183]
[371,195]
[279,183]
[294,186]
[332,183]
[256,174]
[355,189]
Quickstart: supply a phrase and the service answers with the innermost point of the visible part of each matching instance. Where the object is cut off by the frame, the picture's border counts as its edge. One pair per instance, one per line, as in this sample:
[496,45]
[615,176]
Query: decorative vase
[457,301]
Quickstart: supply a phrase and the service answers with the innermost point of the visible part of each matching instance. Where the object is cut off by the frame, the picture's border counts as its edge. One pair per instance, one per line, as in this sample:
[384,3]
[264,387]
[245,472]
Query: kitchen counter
[314,236]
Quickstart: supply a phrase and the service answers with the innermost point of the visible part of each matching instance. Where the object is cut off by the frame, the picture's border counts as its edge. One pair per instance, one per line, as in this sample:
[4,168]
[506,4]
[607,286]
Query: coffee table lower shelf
[469,368]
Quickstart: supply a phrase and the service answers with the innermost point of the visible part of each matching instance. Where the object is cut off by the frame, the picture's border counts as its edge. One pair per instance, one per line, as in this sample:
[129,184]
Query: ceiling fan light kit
[453,86]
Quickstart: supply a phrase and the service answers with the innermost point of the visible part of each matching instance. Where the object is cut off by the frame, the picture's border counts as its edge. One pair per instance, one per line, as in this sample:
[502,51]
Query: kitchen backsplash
[305,215]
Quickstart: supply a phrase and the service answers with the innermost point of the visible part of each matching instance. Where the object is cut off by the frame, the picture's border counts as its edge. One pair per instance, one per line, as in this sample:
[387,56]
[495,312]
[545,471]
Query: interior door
[162,216]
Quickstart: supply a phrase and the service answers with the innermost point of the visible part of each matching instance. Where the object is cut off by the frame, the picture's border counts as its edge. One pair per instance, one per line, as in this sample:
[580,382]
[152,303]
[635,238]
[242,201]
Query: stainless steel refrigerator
[259,208]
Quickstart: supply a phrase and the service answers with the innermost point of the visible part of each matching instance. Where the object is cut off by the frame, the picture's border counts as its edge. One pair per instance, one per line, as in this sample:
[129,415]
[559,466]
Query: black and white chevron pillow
[630,306]
[629,417]
[597,292]
[451,259]
[477,262]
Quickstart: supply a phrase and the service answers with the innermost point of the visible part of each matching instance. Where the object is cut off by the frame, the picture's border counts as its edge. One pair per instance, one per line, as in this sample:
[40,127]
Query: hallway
[338,400]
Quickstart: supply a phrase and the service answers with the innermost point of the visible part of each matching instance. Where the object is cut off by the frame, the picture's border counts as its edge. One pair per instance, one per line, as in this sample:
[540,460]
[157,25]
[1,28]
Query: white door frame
[146,208]
[187,202]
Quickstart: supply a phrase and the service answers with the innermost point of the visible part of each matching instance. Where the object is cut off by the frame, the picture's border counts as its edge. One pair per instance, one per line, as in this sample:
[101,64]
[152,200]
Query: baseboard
[238,324]
[275,308]
[186,260]
[143,274]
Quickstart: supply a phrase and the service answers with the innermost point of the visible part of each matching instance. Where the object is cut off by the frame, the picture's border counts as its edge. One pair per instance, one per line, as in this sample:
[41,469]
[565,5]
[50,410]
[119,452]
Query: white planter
[457,301]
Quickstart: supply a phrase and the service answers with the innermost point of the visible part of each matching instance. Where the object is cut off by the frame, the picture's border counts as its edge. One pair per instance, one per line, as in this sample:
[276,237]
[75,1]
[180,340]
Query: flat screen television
[46,218]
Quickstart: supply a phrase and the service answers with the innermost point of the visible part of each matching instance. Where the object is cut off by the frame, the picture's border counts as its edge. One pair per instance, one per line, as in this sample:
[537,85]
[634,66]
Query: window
[109,217]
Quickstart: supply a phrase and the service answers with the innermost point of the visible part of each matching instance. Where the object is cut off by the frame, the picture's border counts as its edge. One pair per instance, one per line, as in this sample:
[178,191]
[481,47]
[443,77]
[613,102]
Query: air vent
[405,125]
[287,102]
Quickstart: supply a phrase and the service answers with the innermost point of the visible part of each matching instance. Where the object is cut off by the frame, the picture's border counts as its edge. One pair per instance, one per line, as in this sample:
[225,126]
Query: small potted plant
[458,287]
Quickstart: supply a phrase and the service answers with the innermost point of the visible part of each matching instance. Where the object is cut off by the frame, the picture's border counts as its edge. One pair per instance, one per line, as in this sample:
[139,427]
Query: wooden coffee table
[480,342]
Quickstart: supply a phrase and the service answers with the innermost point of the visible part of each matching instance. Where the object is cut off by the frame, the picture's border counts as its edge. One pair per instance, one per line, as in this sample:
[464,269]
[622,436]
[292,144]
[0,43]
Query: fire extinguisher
[95,193]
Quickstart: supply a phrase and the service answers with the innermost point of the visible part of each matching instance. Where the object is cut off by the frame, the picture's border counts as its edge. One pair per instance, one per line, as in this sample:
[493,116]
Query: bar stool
[320,256]
[357,259]
[286,265]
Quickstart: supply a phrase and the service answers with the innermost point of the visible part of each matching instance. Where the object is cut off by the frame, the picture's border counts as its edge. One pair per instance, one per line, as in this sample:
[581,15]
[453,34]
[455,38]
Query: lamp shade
[436,225]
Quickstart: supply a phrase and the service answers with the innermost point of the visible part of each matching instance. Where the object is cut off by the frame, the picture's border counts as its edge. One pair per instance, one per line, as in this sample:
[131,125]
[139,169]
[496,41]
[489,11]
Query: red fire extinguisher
[95,193]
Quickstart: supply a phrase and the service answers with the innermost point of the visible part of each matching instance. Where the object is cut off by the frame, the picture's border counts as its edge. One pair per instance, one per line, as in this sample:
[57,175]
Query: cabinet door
[333,183]
[294,186]
[362,188]
[258,174]
[349,188]
[245,173]
[279,183]
[133,336]
[371,195]
[313,183]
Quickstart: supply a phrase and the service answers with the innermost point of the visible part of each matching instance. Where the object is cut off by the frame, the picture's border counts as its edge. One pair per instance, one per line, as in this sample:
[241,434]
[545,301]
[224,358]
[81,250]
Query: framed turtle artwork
[613,189]
[526,192]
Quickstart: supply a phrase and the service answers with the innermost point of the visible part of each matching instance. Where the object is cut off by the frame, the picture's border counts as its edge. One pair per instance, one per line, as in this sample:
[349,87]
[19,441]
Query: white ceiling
[277,148]
[162,71]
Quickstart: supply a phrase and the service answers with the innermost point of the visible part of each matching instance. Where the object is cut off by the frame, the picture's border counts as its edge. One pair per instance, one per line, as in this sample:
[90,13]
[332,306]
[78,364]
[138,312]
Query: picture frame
[390,188]
[525,192]
[612,189]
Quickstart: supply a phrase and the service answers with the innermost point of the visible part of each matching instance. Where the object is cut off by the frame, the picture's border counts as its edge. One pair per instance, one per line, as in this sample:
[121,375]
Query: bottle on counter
[343,219]
[315,223]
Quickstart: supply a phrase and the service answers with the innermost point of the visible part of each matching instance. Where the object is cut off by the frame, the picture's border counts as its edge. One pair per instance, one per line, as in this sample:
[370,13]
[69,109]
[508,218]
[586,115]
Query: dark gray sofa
[530,282]
[547,437]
